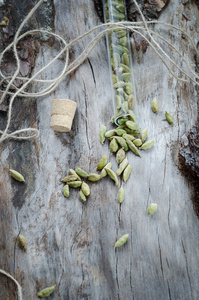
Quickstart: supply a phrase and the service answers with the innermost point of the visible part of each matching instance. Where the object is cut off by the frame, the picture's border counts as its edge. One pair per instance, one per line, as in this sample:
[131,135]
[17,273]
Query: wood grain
[71,244]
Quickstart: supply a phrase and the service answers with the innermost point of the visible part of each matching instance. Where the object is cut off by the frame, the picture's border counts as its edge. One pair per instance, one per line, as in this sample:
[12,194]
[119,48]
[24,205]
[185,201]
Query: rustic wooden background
[71,244]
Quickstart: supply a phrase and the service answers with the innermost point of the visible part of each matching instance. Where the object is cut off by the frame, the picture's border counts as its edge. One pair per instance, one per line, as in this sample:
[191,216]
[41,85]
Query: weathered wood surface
[71,244]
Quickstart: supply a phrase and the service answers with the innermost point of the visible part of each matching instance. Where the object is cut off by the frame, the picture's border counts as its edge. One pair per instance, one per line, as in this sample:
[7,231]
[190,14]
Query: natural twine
[19,289]
[141,28]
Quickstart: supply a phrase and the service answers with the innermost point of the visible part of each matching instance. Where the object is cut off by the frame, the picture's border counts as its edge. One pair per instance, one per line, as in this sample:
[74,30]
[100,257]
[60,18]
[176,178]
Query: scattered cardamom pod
[128,136]
[46,292]
[85,188]
[82,197]
[152,208]
[120,155]
[112,175]
[131,102]
[120,131]
[137,142]
[144,134]
[122,142]
[155,105]
[113,146]
[133,148]
[16,175]
[102,133]
[110,133]
[93,177]
[127,172]
[22,242]
[147,145]
[70,178]
[81,172]
[121,195]
[132,125]
[72,172]
[169,118]
[74,184]
[125,106]
[119,101]
[66,191]
[102,163]
[122,166]
[103,172]
[121,241]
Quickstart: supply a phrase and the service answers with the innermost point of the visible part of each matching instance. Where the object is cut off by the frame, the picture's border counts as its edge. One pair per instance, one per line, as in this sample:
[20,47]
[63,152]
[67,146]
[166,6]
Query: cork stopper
[62,114]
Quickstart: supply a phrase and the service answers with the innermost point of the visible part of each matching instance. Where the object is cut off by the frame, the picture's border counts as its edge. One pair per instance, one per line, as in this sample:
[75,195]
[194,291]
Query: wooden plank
[71,244]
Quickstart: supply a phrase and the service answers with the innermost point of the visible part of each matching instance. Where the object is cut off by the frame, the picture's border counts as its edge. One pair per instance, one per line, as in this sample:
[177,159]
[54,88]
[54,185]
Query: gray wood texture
[71,244]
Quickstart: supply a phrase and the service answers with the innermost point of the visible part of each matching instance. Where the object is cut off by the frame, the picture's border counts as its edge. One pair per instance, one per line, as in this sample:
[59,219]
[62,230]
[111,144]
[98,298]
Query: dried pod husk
[22,242]
[103,172]
[147,145]
[82,197]
[110,133]
[81,172]
[132,125]
[131,102]
[85,188]
[144,134]
[93,177]
[120,131]
[70,178]
[102,133]
[125,68]
[112,175]
[152,208]
[122,166]
[121,195]
[155,105]
[129,137]
[75,184]
[123,41]
[127,172]
[137,142]
[122,142]
[72,172]
[121,241]
[16,175]
[66,191]
[113,146]
[114,78]
[129,88]
[169,118]
[120,155]
[125,76]
[133,148]
[102,163]
[125,59]
[46,292]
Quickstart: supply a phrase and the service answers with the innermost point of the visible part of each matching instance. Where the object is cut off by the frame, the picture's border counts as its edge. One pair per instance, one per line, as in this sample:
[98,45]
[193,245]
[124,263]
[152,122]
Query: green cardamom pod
[169,118]
[112,175]
[122,166]
[46,292]
[116,58]
[131,102]
[125,106]
[125,76]
[121,195]
[144,134]
[125,59]
[133,148]
[132,125]
[119,16]
[120,155]
[22,242]
[112,63]
[137,142]
[75,184]
[93,177]
[118,100]
[16,175]
[125,68]
[120,49]
[121,241]
[110,133]
[120,91]
[129,88]
[131,113]
[127,172]
[147,145]
[85,188]
[70,178]
[102,133]
[113,146]
[66,191]
[102,163]
[123,41]
[129,137]
[72,172]
[122,142]
[120,7]
[82,197]
[103,172]
[120,132]
[81,172]
[119,84]
[120,33]
[152,208]
[155,105]
[114,79]
[122,121]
